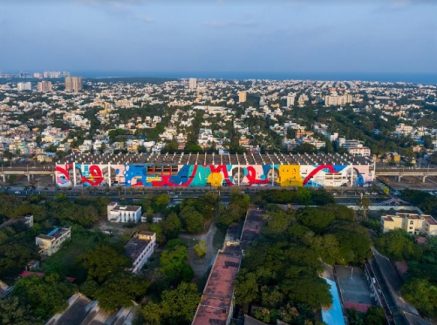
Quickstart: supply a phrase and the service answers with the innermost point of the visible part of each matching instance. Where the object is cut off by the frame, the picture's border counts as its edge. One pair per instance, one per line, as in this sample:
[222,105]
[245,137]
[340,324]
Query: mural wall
[142,175]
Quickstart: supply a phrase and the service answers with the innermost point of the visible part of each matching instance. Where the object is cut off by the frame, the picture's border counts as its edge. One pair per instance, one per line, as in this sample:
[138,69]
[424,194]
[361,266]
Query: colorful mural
[142,175]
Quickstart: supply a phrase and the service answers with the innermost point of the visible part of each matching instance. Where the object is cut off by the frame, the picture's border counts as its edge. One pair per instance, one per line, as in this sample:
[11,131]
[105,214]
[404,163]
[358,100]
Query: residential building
[84,311]
[49,244]
[410,222]
[123,213]
[336,100]
[291,98]
[192,83]
[242,96]
[21,86]
[73,84]
[139,249]
[44,86]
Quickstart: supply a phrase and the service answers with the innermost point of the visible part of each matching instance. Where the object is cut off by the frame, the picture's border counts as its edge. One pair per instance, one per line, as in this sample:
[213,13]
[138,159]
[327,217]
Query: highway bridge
[424,173]
[30,171]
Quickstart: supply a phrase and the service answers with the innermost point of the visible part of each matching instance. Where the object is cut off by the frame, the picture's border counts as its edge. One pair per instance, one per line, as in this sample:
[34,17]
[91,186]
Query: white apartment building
[139,249]
[192,83]
[410,222]
[336,100]
[123,213]
[354,147]
[21,86]
[49,244]
[291,98]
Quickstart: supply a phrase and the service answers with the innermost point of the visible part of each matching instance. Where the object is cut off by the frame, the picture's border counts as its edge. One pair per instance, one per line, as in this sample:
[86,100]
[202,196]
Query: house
[123,213]
[139,249]
[83,311]
[49,244]
[410,222]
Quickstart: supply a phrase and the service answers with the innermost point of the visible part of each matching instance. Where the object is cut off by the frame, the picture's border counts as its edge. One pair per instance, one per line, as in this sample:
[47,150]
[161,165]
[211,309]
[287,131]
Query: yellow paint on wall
[215,179]
[289,175]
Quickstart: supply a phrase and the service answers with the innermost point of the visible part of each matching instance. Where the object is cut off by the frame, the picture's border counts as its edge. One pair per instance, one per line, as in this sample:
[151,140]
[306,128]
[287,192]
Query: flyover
[402,172]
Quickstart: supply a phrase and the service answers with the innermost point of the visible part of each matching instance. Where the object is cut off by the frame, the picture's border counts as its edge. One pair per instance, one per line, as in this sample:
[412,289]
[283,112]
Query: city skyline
[283,37]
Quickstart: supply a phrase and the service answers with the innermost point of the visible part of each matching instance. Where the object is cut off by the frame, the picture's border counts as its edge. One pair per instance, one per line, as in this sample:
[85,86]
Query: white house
[123,213]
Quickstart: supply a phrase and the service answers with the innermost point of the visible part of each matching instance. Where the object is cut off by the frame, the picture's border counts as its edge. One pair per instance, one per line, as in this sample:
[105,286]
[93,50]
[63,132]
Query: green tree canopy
[398,245]
[45,296]
[104,261]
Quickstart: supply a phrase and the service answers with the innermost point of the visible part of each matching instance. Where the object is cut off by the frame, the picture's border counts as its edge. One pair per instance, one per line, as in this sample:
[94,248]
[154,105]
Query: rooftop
[216,300]
[135,246]
[54,233]
[217,159]
[126,208]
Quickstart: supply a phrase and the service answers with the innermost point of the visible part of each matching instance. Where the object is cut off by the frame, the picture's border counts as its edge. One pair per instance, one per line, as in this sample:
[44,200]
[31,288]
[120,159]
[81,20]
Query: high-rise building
[44,86]
[73,84]
[291,99]
[24,86]
[192,83]
[242,96]
[302,100]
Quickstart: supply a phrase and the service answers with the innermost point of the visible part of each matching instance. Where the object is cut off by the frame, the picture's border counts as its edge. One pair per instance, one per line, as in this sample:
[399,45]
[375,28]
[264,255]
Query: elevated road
[401,172]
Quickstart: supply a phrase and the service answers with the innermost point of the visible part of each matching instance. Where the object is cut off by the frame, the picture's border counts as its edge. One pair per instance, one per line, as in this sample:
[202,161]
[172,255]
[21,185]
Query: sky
[207,36]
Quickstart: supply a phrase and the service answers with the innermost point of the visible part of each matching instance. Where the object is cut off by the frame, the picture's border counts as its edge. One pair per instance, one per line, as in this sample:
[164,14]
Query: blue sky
[313,36]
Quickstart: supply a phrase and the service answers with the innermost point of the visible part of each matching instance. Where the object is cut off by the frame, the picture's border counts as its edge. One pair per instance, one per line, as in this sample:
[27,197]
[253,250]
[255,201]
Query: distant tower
[242,96]
[192,83]
[73,84]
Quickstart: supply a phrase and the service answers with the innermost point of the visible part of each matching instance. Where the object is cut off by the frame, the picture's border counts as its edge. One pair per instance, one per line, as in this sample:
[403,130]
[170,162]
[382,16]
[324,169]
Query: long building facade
[203,170]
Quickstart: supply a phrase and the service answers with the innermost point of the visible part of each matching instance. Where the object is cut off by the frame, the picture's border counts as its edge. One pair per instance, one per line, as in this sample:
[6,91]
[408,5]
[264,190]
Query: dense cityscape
[328,143]
[46,119]
[218,162]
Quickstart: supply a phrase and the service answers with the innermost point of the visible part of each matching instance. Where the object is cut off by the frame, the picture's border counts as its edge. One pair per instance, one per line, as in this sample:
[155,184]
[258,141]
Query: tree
[364,205]
[14,313]
[397,244]
[153,313]
[177,306]
[119,291]
[13,256]
[45,296]
[278,222]
[181,302]
[104,261]
[161,202]
[193,220]
[173,262]
[374,316]
[200,248]
[316,219]
[246,289]
[422,294]
[171,226]
[354,243]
